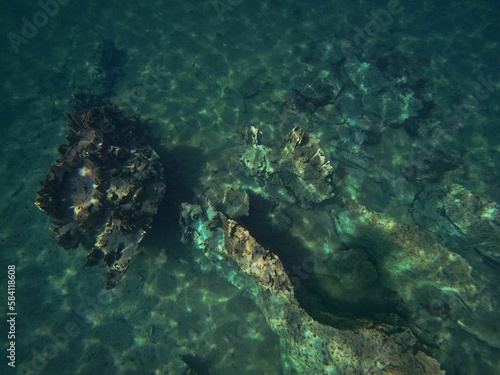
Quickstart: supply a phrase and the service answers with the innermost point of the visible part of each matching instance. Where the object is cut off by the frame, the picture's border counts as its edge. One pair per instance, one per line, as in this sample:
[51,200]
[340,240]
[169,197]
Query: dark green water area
[254,188]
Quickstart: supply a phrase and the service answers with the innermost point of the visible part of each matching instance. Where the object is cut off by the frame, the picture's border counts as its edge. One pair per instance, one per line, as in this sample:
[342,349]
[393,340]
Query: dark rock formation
[428,167]
[296,171]
[105,189]
[308,92]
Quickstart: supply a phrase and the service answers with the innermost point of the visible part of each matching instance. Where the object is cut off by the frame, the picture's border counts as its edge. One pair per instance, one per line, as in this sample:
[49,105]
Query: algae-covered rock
[307,347]
[295,171]
[475,217]
[409,260]
[427,168]
[394,105]
[458,214]
[447,299]
[104,190]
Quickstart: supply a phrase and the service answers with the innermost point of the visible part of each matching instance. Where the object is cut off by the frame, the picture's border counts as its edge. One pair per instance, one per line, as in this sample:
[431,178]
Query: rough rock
[428,167]
[475,217]
[295,171]
[310,91]
[104,190]
[457,213]
[394,105]
[403,253]
[307,346]
[447,298]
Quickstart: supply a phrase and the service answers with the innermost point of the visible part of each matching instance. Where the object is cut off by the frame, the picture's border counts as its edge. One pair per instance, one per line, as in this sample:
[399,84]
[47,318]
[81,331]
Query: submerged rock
[448,300]
[468,222]
[310,91]
[307,346]
[476,218]
[393,105]
[294,172]
[427,167]
[104,190]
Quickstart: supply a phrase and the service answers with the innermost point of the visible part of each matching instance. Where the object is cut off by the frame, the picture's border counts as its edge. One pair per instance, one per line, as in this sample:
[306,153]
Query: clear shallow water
[199,74]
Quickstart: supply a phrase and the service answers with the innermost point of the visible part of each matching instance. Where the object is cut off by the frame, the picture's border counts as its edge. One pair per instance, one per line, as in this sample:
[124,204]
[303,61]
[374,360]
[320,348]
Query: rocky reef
[446,292]
[461,215]
[104,190]
[406,277]
[392,103]
[307,346]
[293,172]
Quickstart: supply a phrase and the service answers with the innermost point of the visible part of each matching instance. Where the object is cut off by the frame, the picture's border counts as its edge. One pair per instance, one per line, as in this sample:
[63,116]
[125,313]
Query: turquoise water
[403,100]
